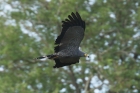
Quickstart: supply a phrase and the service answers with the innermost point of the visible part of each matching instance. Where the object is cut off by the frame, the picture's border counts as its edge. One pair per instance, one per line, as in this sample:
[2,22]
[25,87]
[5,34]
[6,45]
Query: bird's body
[67,43]
[71,53]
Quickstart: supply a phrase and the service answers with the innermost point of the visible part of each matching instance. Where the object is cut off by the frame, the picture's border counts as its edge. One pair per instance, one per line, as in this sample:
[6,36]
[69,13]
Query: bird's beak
[86,55]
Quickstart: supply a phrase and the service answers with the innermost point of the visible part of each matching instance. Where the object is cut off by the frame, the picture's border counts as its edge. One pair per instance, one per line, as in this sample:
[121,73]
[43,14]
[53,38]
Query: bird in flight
[67,43]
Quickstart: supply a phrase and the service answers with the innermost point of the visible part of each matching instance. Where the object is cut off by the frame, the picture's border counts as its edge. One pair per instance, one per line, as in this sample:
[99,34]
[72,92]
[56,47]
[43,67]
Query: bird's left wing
[72,33]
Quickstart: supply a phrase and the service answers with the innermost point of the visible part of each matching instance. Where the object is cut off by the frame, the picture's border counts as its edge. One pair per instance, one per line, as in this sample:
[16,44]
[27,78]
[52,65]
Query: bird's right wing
[65,62]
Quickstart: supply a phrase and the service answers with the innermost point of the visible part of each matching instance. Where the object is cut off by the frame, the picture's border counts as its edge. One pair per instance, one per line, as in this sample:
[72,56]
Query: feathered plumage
[67,43]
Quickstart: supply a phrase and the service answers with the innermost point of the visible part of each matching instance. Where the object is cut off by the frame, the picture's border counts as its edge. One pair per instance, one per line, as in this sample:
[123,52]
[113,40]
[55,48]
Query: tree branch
[73,78]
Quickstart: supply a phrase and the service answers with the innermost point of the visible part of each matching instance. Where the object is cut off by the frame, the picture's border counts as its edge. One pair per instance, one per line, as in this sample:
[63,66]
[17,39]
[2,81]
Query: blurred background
[28,29]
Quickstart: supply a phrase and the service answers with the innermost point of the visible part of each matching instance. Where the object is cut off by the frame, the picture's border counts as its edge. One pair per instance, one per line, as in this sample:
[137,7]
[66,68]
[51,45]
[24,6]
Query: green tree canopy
[112,38]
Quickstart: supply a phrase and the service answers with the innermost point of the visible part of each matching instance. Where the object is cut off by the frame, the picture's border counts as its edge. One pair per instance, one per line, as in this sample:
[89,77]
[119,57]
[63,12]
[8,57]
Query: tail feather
[52,56]
[41,57]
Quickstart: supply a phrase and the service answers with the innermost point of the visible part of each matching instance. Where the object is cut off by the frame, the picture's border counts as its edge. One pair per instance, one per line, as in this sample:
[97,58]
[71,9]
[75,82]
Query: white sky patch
[106,43]
[104,1]
[95,20]
[106,67]
[48,0]
[6,7]
[2,14]
[112,15]
[97,91]
[87,71]
[39,85]
[29,87]
[137,74]
[131,55]
[86,78]
[137,4]
[72,87]
[1,68]
[95,82]
[31,34]
[101,34]
[133,11]
[92,58]
[135,91]
[79,80]
[77,69]
[139,57]
[105,88]
[107,36]
[63,90]
[106,81]
[91,2]
[28,23]
[11,22]
[114,34]
[137,35]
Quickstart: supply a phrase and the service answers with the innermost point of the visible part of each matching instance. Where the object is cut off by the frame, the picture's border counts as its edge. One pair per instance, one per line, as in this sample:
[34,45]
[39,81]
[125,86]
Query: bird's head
[82,54]
[86,55]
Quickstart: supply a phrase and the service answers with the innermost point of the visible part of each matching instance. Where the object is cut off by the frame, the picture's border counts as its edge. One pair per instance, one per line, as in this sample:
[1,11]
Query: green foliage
[112,34]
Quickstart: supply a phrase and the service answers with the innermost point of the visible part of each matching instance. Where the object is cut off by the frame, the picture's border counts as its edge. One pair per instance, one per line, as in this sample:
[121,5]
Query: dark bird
[67,43]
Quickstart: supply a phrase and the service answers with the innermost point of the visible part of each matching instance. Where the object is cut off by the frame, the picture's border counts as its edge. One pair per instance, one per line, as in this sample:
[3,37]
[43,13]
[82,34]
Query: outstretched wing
[70,38]
[72,33]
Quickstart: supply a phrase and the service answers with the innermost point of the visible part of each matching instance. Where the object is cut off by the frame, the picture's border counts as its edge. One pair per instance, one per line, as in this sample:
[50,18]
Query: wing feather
[74,20]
